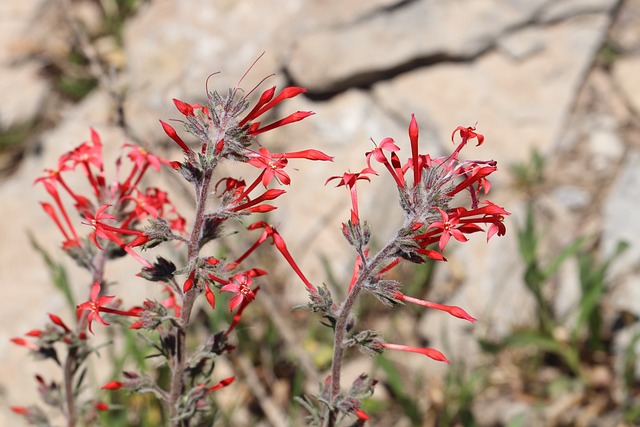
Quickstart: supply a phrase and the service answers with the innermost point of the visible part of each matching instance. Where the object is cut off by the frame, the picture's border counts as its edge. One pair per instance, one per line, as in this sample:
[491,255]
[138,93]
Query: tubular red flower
[350,180]
[266,102]
[236,317]
[291,118]
[362,415]
[93,305]
[225,382]
[240,284]
[452,310]
[112,385]
[211,298]
[56,320]
[305,154]
[413,137]
[270,194]
[171,132]
[101,406]
[448,229]
[183,107]
[429,352]
[278,241]
[24,343]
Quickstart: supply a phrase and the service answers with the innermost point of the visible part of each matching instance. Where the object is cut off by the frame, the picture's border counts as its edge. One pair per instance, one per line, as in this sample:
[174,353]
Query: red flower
[362,415]
[394,167]
[225,382]
[109,233]
[429,352]
[171,133]
[56,320]
[112,385]
[143,158]
[415,156]
[452,310]
[101,406]
[349,180]
[20,410]
[447,226]
[240,284]
[266,103]
[272,167]
[278,241]
[25,343]
[94,305]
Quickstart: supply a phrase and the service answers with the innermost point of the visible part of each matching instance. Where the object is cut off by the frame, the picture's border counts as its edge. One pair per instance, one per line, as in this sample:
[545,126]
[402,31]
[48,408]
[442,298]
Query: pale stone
[563,9]
[519,105]
[21,89]
[625,73]
[406,35]
[619,223]
[22,93]
[174,60]
[572,197]
[624,33]
[522,44]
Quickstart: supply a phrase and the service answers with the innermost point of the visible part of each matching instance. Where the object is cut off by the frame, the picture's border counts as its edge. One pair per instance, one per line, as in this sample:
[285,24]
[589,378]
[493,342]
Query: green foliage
[75,88]
[398,388]
[15,136]
[586,335]
[461,388]
[116,13]
[536,275]
[607,55]
[529,175]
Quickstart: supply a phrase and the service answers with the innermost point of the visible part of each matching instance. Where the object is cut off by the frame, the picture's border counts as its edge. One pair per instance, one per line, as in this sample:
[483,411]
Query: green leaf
[567,252]
[398,387]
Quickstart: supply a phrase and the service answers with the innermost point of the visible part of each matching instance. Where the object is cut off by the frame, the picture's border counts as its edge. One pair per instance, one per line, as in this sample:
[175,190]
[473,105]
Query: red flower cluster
[129,203]
[427,189]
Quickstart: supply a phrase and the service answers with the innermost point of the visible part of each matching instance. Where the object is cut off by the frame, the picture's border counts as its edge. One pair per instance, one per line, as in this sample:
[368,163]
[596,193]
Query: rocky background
[553,84]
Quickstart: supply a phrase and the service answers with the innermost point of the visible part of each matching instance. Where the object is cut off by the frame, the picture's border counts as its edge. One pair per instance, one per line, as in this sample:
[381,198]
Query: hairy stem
[367,270]
[72,360]
[179,359]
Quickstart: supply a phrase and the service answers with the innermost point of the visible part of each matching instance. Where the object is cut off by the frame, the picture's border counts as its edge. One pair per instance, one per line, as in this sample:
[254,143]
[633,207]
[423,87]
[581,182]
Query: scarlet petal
[55,319]
[429,352]
[171,132]
[188,284]
[413,137]
[183,107]
[112,385]
[460,313]
[292,118]
[225,382]
[308,154]
[362,415]
[211,299]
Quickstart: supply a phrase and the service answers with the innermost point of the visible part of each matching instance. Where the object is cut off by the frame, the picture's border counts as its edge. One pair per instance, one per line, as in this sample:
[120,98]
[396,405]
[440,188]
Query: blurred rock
[22,90]
[519,105]
[391,40]
[626,72]
[620,224]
